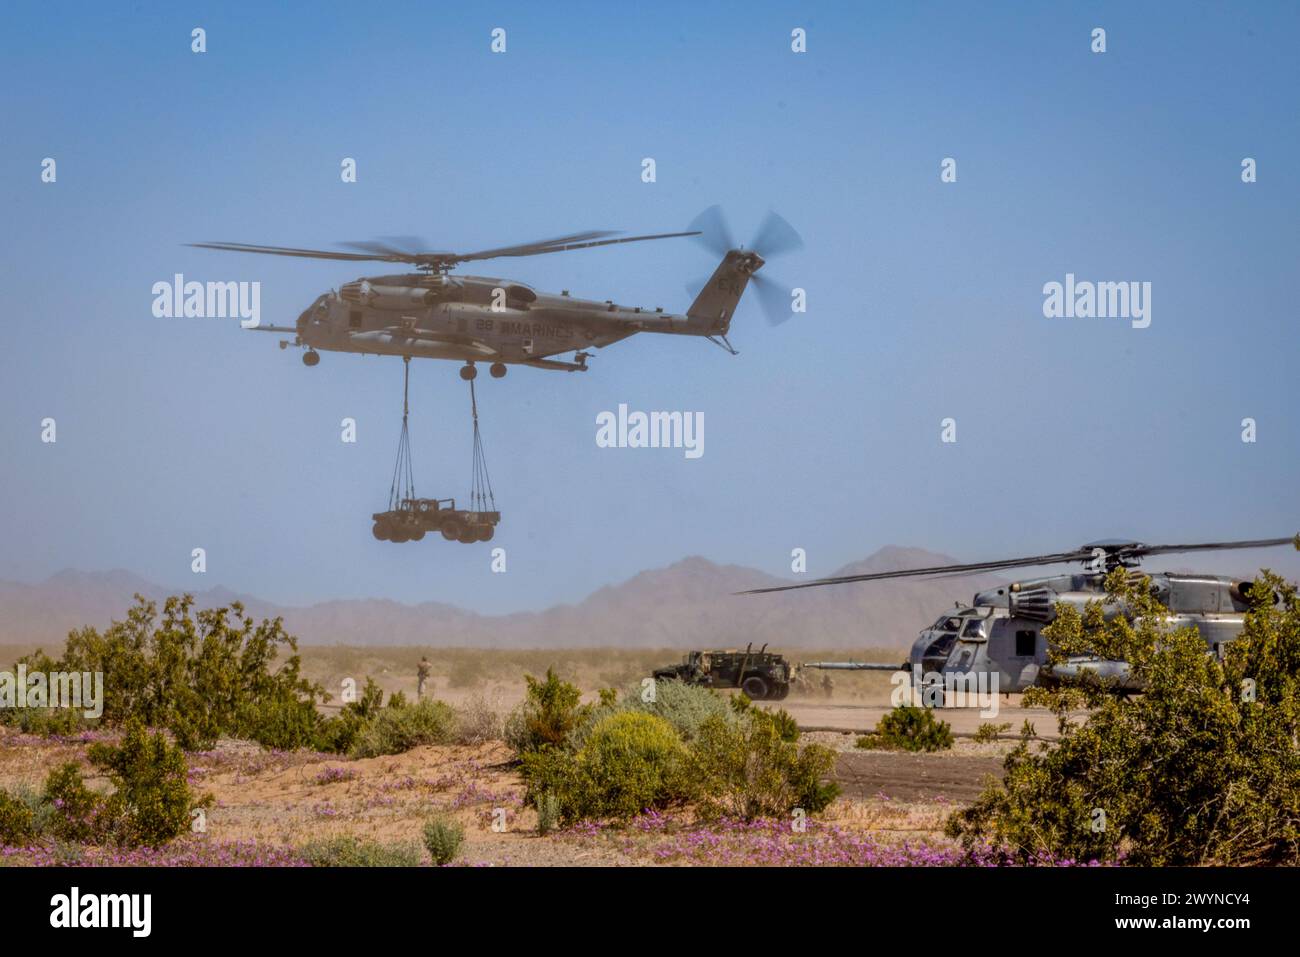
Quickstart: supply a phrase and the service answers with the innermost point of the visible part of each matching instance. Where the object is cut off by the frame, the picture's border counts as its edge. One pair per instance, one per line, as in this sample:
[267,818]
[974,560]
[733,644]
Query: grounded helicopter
[999,635]
[433,314]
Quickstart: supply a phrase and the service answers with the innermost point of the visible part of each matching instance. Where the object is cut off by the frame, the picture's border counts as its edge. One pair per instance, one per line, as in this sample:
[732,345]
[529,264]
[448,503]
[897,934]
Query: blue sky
[925,298]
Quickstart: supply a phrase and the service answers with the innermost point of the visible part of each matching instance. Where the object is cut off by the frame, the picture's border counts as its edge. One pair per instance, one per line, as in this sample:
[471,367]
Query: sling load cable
[480,494]
[403,486]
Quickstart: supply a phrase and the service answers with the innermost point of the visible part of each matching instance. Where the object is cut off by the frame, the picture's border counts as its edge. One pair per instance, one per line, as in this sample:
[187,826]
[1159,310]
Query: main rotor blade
[775,236]
[562,244]
[1212,546]
[773,297]
[403,246]
[290,251]
[711,226]
[1054,559]
[1079,555]
[387,252]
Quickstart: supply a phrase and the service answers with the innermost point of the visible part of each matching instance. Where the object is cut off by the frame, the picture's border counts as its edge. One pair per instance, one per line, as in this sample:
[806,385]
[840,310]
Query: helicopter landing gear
[468,372]
[311,357]
[498,370]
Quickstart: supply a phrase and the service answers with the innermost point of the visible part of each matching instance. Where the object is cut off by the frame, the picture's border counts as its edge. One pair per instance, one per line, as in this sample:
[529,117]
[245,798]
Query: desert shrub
[747,768]
[339,734]
[17,827]
[686,707]
[151,801]
[80,815]
[1200,768]
[443,836]
[350,851]
[548,813]
[551,710]
[909,728]
[477,721]
[200,675]
[47,722]
[42,812]
[631,762]
[988,732]
[395,729]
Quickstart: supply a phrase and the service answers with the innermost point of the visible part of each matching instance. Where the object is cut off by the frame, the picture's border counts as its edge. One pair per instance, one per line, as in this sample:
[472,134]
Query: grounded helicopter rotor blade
[303,253]
[711,226]
[1054,559]
[775,237]
[1118,552]
[561,245]
[773,297]
[1212,546]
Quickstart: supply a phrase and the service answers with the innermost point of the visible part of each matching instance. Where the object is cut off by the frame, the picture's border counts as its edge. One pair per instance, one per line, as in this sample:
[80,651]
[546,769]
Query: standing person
[421,676]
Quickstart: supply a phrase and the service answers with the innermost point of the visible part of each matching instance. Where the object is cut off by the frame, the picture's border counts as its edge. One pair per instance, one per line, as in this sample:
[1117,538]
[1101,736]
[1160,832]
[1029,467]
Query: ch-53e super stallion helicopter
[432,314]
[1000,633]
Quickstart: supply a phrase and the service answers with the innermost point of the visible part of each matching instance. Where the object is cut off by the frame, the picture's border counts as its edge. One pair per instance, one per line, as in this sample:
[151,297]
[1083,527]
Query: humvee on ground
[415,516]
[761,674]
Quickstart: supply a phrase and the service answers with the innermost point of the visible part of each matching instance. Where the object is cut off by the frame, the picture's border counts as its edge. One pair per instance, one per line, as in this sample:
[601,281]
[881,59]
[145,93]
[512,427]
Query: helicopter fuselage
[481,319]
[1000,632]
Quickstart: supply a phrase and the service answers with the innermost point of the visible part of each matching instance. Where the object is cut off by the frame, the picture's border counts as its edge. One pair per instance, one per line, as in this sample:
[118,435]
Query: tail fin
[716,302]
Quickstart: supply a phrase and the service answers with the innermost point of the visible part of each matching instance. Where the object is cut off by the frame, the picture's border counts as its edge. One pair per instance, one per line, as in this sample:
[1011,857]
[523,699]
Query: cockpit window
[941,646]
[972,629]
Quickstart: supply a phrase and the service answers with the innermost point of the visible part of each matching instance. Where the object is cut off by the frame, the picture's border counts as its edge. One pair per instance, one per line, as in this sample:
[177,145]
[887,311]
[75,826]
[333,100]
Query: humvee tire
[417,535]
[755,687]
[483,533]
[468,535]
[379,532]
[451,530]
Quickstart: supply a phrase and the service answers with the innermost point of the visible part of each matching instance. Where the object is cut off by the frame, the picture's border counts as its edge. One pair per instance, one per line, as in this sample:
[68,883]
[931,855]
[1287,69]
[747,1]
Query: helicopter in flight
[998,636]
[431,313]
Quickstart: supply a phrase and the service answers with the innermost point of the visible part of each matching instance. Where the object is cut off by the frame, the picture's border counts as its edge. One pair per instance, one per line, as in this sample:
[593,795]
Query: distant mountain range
[688,604]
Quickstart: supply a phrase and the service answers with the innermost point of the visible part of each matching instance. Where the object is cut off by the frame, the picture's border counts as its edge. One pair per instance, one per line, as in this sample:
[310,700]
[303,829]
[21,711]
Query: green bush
[631,762]
[748,768]
[909,728]
[150,804]
[339,734]
[201,675]
[401,727]
[988,732]
[442,838]
[1200,768]
[548,813]
[151,801]
[550,712]
[350,851]
[686,707]
[17,827]
[79,813]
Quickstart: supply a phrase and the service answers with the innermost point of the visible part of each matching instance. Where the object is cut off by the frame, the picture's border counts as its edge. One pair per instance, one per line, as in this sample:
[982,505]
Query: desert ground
[266,803]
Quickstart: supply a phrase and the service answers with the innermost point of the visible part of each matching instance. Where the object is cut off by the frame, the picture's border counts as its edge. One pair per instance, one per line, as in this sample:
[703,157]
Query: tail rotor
[775,237]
